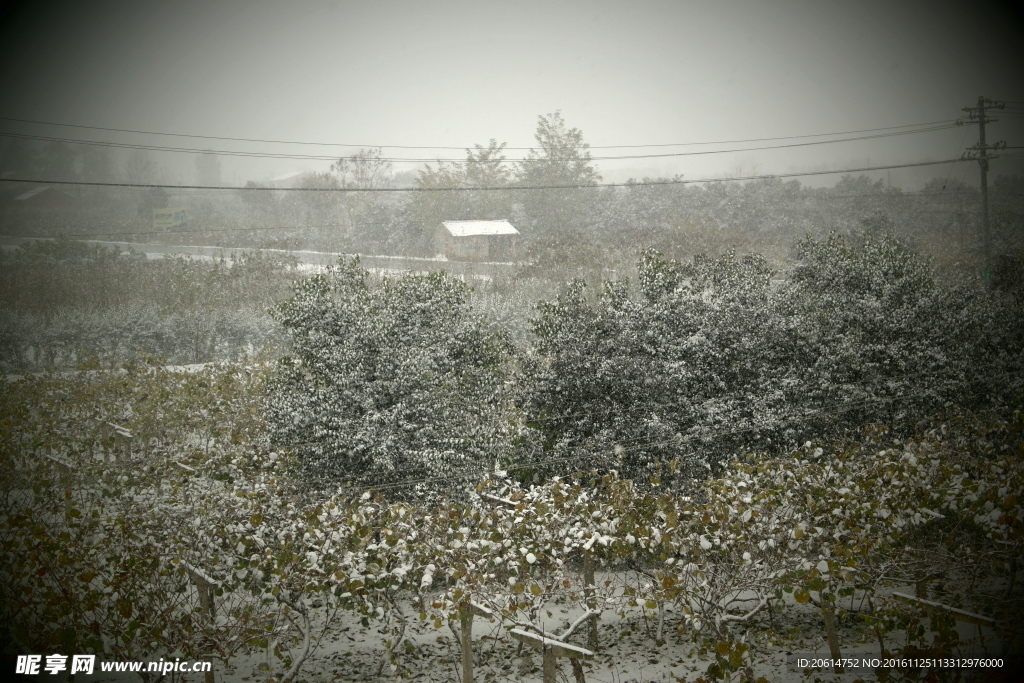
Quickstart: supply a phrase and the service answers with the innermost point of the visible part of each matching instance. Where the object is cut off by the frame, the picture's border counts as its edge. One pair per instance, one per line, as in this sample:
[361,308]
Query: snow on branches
[391,381]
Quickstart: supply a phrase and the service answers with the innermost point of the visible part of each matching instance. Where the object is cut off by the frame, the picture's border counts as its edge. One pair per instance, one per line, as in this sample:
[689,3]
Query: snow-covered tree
[712,356]
[389,382]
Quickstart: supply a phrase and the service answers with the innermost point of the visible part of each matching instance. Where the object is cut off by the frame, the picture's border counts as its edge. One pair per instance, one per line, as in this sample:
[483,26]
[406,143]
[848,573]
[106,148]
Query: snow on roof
[31,193]
[470,228]
[288,176]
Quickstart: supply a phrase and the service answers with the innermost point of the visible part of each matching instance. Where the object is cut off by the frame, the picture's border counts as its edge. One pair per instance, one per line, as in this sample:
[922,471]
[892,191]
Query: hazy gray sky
[459,73]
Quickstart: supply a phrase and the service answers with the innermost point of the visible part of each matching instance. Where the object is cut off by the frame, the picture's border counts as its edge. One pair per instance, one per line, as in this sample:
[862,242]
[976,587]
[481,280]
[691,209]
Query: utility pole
[960,225]
[981,153]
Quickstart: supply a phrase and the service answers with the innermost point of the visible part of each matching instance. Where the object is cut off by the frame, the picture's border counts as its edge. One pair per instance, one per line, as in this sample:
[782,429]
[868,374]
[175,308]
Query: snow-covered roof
[470,228]
[288,176]
[28,195]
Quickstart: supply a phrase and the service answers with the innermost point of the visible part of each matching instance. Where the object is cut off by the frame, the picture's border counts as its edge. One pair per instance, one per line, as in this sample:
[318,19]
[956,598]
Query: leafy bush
[101,561]
[716,355]
[395,381]
[881,325]
[64,300]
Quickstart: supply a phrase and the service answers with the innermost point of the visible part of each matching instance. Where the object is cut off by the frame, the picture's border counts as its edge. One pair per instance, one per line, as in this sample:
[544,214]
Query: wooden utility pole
[960,228]
[981,153]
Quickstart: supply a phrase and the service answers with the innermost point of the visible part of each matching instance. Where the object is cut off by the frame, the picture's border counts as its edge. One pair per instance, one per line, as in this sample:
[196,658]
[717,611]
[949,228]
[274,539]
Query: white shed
[477,240]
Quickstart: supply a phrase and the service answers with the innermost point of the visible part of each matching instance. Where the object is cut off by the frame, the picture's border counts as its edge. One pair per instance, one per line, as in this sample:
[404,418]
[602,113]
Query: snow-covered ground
[349,651]
[628,653]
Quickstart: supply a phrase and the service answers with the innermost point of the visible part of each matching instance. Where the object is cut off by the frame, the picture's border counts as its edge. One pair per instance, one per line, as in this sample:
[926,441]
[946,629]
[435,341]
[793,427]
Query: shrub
[394,381]
[712,356]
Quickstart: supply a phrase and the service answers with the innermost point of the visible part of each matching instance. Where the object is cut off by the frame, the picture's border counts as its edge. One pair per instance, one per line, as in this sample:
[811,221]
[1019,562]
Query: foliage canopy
[395,380]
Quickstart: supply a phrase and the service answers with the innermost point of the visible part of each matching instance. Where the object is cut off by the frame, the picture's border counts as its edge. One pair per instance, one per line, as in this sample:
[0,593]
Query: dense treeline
[667,377]
[566,218]
[599,226]
[413,376]
[65,300]
[715,355]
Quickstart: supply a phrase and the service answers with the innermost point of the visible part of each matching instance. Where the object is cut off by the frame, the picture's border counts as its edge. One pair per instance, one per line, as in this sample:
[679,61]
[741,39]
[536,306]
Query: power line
[320,157]
[958,148]
[343,144]
[755,149]
[203,231]
[505,188]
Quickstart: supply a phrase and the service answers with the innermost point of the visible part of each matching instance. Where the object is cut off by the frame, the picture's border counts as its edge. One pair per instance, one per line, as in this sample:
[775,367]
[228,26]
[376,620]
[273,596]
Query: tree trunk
[467,644]
[830,631]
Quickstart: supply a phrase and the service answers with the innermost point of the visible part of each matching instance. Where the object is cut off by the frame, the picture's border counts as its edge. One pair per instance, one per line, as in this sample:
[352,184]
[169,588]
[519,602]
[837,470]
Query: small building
[37,207]
[291,179]
[46,198]
[477,240]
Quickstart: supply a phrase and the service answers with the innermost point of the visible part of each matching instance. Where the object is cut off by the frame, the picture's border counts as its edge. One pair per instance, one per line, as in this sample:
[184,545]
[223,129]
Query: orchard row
[194,537]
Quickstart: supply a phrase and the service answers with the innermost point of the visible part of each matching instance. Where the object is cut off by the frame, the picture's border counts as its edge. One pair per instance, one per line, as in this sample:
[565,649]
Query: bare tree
[364,170]
[141,169]
[208,168]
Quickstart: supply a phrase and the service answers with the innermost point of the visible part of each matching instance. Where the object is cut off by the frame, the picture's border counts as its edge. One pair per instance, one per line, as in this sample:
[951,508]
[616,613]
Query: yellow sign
[169,219]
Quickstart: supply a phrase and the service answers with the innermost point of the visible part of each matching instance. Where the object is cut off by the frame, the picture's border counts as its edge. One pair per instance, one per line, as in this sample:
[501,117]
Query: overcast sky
[459,73]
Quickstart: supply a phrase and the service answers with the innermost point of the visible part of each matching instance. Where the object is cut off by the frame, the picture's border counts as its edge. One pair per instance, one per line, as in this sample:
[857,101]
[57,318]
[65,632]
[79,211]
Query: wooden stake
[659,637]
[550,665]
[830,631]
[577,671]
[589,592]
[467,644]
[205,585]
[65,469]
[466,613]
[552,649]
[958,614]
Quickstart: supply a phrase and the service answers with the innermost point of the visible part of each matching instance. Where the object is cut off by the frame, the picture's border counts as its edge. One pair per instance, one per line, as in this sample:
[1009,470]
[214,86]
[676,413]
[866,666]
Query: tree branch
[305,631]
[736,617]
[398,641]
[590,614]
